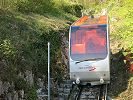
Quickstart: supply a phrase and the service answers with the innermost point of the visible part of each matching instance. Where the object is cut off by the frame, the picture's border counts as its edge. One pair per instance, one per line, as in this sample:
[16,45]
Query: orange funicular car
[89,51]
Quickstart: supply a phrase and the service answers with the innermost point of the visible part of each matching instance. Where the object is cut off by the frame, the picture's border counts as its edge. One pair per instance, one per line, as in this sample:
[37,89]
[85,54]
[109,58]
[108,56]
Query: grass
[121,87]
[24,33]
[122,13]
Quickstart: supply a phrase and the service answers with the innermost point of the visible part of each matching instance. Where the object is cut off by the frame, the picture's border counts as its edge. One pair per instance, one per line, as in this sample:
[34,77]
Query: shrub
[20,84]
[31,94]
[73,9]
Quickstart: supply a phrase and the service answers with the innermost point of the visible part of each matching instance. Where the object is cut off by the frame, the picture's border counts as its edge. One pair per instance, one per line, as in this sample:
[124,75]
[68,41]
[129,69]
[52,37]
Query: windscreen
[88,42]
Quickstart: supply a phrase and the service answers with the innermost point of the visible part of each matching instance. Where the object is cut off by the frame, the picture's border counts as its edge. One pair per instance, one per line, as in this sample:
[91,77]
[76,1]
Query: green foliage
[20,84]
[8,4]
[40,6]
[24,39]
[31,93]
[7,49]
[74,9]
[122,11]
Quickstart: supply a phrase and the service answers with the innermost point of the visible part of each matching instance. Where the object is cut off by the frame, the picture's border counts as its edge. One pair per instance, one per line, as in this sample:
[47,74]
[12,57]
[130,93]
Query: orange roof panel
[85,20]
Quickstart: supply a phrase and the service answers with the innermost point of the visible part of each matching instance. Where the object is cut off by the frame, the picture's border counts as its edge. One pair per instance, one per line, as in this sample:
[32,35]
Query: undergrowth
[26,27]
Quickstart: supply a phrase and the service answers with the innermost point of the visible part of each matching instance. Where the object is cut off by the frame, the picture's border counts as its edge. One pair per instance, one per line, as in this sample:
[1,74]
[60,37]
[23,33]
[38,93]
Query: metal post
[48,70]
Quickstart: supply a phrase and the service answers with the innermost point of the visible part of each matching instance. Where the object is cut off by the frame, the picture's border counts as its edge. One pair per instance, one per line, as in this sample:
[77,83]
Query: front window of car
[88,42]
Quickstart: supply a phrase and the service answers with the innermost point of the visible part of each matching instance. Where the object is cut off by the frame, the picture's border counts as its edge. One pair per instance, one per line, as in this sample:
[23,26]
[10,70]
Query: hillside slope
[121,28]
[27,26]
[25,29]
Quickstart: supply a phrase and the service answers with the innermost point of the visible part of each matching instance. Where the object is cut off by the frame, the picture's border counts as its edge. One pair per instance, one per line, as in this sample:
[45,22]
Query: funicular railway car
[89,51]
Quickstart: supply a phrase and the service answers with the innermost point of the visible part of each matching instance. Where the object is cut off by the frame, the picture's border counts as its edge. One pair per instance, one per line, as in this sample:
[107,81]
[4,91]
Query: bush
[31,94]
[30,91]
[20,84]
[73,9]
[39,6]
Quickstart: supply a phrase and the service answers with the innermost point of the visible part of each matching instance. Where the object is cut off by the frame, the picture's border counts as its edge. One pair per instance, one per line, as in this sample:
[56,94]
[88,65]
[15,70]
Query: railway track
[67,91]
